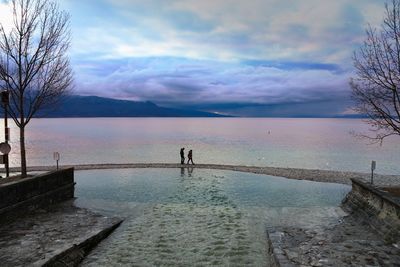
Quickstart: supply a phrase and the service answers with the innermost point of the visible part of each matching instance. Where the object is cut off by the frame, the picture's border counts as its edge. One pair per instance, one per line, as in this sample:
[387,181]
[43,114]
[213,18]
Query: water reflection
[189,170]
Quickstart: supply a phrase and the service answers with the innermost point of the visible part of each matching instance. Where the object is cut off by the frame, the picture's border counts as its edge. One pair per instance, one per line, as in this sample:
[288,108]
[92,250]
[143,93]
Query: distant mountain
[351,116]
[94,106]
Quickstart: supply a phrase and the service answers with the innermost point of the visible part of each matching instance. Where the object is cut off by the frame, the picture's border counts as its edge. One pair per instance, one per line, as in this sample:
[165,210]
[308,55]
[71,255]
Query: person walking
[190,157]
[182,155]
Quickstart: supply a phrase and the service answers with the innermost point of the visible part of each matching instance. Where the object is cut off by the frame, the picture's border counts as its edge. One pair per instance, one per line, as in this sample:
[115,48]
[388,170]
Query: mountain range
[94,106]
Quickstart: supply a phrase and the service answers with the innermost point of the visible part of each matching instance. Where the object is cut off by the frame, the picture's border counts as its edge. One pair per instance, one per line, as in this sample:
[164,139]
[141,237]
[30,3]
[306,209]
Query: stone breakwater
[292,173]
[379,208]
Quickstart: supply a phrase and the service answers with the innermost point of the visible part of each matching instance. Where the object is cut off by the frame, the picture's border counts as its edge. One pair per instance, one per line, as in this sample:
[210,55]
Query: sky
[244,58]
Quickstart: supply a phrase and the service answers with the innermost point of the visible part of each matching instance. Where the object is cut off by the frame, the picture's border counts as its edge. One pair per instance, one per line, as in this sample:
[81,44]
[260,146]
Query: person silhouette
[182,155]
[190,157]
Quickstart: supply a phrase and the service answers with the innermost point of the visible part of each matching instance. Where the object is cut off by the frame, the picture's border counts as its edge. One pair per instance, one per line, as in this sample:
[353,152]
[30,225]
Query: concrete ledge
[57,235]
[75,254]
[24,195]
[376,207]
[48,198]
[378,192]
[278,256]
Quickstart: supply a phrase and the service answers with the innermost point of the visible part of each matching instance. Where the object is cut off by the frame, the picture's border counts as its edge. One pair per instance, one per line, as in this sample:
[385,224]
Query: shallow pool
[191,216]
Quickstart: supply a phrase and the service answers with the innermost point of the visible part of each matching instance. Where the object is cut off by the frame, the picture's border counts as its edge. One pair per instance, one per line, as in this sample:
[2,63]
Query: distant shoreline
[78,106]
[291,173]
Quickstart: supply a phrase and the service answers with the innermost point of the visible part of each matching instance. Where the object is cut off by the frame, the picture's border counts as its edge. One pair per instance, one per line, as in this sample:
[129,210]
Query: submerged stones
[199,224]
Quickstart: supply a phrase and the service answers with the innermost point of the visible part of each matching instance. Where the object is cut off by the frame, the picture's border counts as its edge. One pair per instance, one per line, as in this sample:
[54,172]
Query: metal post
[7,165]
[372,176]
[5,99]
[56,157]
[373,166]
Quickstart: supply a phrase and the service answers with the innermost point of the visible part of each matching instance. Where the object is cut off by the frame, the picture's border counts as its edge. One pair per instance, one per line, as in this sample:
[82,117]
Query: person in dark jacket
[182,155]
[190,157]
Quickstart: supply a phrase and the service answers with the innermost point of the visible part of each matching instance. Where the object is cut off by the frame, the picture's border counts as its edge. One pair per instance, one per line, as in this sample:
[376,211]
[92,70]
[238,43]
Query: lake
[298,143]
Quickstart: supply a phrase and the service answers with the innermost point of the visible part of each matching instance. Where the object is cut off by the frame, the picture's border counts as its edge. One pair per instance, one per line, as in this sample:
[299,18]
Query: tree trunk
[22,147]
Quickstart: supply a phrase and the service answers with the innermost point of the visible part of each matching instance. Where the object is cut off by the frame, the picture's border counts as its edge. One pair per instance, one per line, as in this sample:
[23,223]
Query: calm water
[246,189]
[188,217]
[300,143]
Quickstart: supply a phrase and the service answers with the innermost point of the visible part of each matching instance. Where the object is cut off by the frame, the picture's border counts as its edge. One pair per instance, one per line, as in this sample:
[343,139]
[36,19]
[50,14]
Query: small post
[373,167]
[56,157]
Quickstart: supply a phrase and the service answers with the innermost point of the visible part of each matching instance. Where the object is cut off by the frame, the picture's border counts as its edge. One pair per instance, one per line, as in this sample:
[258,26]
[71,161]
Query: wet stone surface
[351,242]
[37,237]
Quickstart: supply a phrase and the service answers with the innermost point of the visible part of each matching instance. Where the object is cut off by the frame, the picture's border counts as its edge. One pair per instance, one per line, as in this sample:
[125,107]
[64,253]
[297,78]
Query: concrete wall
[31,193]
[377,207]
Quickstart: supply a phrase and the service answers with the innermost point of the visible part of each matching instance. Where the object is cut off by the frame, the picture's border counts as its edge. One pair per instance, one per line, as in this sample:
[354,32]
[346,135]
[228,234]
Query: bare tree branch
[375,89]
[34,67]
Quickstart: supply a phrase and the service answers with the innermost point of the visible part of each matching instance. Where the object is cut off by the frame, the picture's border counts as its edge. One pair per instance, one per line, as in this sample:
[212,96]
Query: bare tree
[375,88]
[34,67]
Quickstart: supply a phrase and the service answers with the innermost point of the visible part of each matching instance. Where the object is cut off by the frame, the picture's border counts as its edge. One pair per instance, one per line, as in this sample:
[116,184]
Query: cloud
[287,65]
[6,15]
[209,54]
[226,30]
[182,82]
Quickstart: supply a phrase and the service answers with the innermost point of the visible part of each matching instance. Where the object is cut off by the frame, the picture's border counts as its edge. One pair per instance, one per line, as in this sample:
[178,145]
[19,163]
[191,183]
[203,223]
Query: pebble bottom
[198,226]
